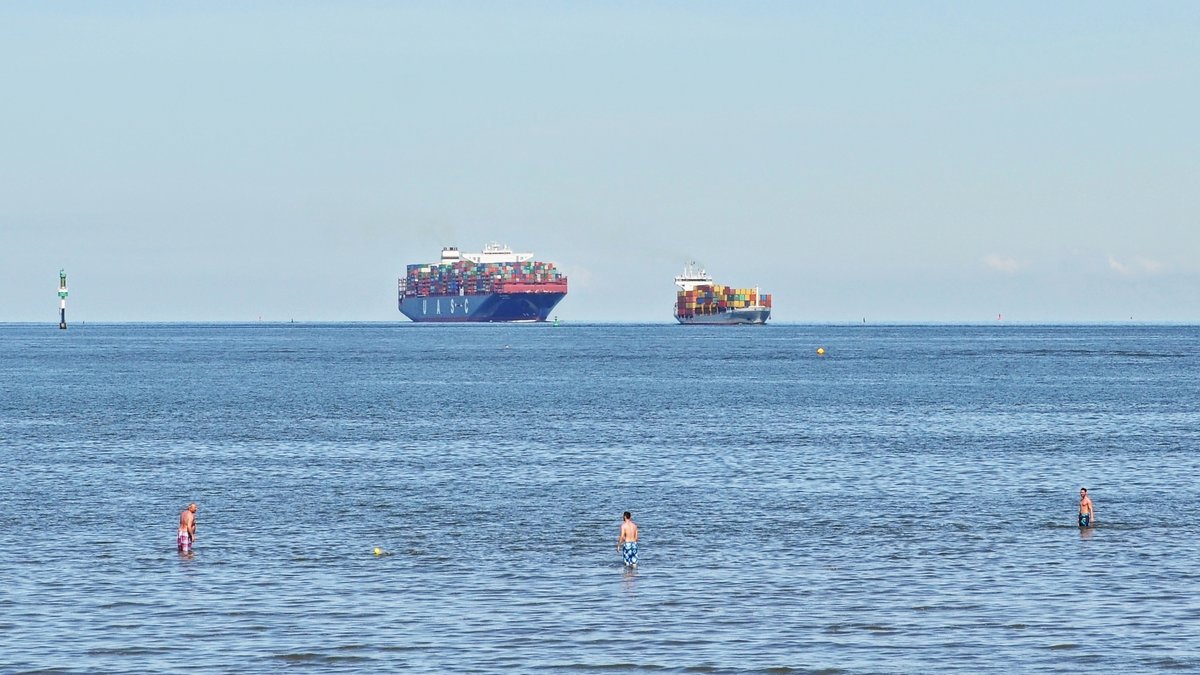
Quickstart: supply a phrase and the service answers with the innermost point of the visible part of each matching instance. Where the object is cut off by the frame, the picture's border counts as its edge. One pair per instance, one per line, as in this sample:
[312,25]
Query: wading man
[627,541]
[1087,514]
[187,528]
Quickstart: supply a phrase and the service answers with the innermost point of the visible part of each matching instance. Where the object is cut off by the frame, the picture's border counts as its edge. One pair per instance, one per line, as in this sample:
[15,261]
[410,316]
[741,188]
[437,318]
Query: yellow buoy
[378,551]
[820,351]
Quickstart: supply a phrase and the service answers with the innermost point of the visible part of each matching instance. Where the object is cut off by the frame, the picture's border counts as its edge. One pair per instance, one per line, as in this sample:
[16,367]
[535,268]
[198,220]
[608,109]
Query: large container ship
[700,301]
[492,285]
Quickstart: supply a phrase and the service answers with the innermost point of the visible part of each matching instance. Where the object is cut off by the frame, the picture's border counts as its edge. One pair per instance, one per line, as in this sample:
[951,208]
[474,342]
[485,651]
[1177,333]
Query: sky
[861,161]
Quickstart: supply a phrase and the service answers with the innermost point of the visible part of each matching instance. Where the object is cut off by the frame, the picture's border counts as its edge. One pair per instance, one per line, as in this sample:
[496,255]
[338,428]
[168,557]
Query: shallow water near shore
[904,503]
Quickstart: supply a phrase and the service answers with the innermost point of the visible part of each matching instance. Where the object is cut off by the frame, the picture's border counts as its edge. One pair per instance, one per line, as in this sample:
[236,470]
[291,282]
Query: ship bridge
[495,253]
[693,277]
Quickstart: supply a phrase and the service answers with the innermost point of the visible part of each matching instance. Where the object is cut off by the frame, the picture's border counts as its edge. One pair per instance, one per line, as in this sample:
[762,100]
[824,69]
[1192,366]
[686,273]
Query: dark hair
[628,515]
[1083,489]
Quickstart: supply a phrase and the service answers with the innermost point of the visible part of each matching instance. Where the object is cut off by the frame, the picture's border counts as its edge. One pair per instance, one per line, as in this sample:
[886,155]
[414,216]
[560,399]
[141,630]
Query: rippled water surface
[904,503]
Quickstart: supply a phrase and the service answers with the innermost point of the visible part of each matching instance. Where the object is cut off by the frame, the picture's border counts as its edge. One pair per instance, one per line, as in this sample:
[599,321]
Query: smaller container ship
[700,301]
[494,285]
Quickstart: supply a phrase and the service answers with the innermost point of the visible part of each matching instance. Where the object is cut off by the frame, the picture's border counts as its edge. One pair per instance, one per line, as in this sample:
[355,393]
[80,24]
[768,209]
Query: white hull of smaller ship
[748,315]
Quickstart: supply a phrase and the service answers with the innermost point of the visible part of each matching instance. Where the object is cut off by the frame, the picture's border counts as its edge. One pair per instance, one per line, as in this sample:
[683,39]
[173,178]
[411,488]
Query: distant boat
[494,285]
[700,301]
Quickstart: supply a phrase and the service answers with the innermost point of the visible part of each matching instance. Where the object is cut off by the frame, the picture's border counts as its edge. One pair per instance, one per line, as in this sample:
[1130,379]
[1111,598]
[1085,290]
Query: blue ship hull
[498,307]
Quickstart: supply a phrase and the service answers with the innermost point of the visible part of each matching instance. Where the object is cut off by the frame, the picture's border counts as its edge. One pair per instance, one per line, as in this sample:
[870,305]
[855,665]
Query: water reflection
[629,577]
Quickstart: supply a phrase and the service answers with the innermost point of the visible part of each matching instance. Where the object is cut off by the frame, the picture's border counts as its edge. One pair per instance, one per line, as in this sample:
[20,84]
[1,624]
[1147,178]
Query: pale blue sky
[933,161]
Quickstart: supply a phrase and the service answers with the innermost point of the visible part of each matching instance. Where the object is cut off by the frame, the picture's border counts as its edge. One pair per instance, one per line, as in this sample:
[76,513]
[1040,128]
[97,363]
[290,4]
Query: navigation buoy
[62,295]
[820,351]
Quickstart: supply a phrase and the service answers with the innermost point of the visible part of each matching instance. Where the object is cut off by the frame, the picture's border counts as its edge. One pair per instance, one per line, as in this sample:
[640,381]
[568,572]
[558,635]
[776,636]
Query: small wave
[871,627]
[31,423]
[124,651]
[618,667]
[309,657]
[122,604]
[346,658]
[299,657]
[1168,663]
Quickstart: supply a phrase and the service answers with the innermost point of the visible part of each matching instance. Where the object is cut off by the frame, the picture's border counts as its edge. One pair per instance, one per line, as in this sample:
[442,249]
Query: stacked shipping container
[465,277]
[716,299]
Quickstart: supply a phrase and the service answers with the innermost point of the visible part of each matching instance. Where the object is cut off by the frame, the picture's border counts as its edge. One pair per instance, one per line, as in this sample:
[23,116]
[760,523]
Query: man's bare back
[187,527]
[628,532]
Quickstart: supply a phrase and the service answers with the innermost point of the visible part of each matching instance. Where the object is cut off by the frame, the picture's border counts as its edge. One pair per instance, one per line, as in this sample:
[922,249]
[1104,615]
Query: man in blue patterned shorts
[627,541]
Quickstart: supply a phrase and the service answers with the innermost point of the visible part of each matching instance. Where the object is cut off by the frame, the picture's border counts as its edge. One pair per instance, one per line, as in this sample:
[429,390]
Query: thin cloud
[1151,266]
[1138,266]
[1004,264]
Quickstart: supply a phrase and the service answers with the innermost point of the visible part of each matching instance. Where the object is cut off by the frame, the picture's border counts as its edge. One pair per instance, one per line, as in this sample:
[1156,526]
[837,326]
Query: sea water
[904,503]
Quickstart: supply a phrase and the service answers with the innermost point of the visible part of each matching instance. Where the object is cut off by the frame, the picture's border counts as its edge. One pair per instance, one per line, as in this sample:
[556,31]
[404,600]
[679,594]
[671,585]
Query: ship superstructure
[700,301]
[495,284]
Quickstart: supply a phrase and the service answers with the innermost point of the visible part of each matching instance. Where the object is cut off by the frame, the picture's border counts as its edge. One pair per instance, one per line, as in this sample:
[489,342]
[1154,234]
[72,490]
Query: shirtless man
[1087,514]
[627,541]
[187,528]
